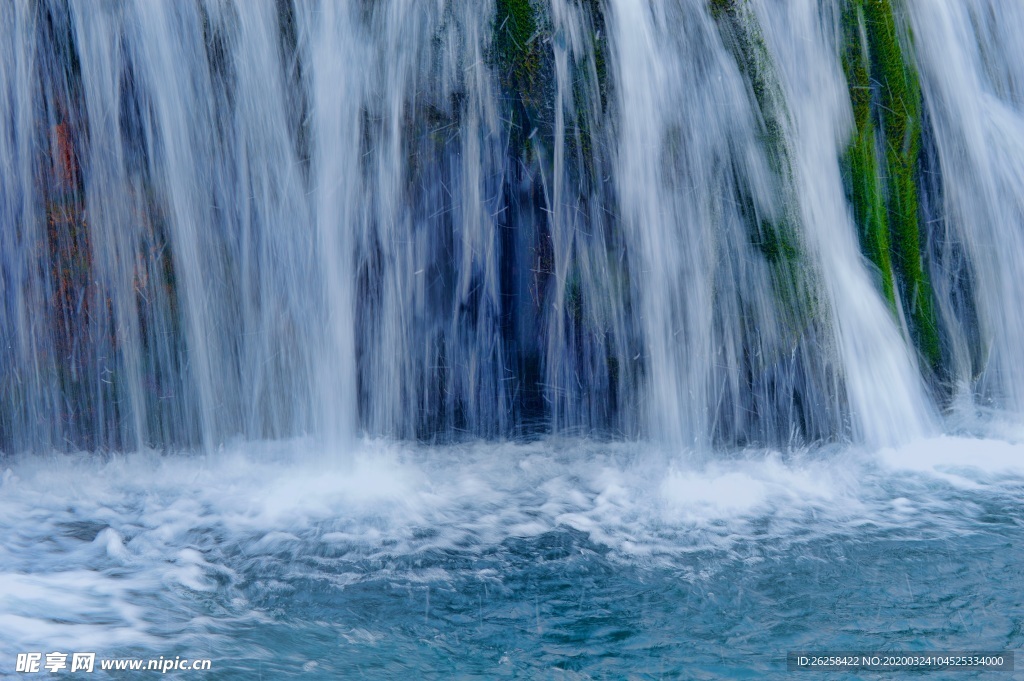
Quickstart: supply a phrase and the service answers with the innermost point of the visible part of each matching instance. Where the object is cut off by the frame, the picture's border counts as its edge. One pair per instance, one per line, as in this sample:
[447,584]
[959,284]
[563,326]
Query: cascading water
[972,66]
[299,219]
[886,395]
[483,336]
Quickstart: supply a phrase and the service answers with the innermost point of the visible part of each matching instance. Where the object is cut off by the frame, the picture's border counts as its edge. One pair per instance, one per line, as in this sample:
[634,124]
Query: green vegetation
[867,196]
[523,63]
[518,49]
[775,236]
[743,37]
[886,98]
[522,55]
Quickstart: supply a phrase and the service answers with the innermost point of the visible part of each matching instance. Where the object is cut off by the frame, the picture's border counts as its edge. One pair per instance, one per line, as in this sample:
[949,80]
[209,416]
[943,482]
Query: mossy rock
[861,160]
[775,236]
[886,99]
[523,59]
[517,46]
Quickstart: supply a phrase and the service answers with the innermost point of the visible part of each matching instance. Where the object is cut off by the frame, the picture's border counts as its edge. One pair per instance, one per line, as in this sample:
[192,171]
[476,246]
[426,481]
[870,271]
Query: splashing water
[508,338]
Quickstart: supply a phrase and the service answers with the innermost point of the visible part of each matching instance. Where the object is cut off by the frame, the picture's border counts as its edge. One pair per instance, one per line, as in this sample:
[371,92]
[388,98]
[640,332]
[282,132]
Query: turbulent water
[487,338]
[558,559]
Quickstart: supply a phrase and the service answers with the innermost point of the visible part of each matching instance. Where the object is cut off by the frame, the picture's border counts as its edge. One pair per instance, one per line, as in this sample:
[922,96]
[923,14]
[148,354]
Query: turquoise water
[561,559]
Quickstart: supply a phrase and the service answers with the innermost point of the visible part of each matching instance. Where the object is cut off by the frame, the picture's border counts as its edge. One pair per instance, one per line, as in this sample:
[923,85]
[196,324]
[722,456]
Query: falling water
[759,316]
[274,219]
[510,338]
[448,219]
[886,393]
[972,66]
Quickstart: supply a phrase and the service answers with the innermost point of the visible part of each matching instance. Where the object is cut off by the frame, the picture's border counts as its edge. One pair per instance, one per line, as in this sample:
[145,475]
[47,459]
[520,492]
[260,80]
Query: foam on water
[146,550]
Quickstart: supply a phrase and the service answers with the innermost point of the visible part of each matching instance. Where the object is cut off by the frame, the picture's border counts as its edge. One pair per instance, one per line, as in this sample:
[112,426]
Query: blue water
[560,559]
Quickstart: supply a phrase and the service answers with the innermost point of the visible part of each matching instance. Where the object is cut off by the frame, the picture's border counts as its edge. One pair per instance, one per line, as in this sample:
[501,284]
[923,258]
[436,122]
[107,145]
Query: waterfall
[972,67]
[886,395]
[688,220]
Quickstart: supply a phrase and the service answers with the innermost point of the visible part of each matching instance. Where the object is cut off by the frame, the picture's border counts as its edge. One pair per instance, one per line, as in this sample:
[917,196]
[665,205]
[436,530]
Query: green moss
[874,63]
[719,8]
[776,242]
[776,237]
[866,193]
[517,45]
[742,35]
[522,62]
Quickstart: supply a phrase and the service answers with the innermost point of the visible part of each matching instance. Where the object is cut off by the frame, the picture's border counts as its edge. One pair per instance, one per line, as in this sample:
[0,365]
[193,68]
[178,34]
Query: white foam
[119,540]
[940,454]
